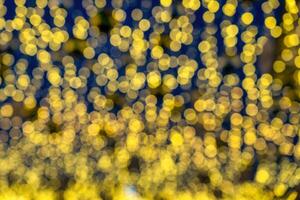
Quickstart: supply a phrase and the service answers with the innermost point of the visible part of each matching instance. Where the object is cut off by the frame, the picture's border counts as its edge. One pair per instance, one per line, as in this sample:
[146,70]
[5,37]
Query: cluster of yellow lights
[146,120]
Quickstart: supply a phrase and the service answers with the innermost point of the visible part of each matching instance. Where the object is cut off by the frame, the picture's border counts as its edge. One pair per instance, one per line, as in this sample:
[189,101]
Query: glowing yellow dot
[144,24]
[104,163]
[75,82]
[291,40]
[192,4]
[200,105]
[115,40]
[276,32]
[47,35]
[35,19]
[251,109]
[100,3]
[29,102]
[279,66]
[297,61]
[166,3]
[135,125]
[44,56]
[157,52]
[23,81]
[93,129]
[204,46]
[28,127]
[229,9]
[213,6]
[176,139]
[287,54]
[17,23]
[89,52]
[236,119]
[54,77]
[132,142]
[270,22]
[125,31]
[280,189]
[208,17]
[6,110]
[262,176]
[250,137]
[30,49]
[119,15]
[43,113]
[153,79]
[247,18]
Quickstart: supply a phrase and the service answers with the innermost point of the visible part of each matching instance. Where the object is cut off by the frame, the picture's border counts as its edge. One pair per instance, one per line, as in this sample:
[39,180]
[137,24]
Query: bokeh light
[149,99]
